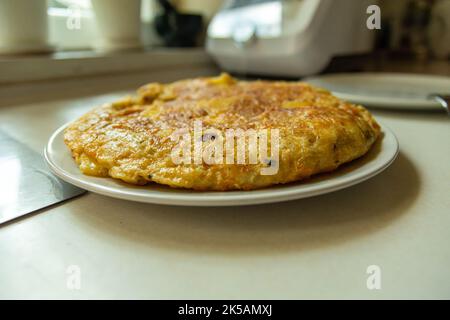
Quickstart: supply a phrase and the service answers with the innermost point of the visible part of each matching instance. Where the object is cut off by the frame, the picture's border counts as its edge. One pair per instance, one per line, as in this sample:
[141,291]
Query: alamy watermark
[374,20]
[73,21]
[373,281]
[234,146]
[73,280]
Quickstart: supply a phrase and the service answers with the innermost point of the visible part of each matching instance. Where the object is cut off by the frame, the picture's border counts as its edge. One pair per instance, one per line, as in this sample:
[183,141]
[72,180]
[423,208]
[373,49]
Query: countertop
[319,247]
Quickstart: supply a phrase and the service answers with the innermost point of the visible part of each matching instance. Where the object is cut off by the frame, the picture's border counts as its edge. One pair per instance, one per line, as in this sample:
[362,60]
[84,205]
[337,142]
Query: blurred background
[408,26]
[243,36]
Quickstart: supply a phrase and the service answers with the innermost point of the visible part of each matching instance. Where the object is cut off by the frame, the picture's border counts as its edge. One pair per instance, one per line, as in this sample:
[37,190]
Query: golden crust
[130,139]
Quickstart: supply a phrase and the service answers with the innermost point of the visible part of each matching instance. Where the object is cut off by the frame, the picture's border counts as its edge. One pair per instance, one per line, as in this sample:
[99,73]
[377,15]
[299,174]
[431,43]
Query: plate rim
[218,198]
[383,102]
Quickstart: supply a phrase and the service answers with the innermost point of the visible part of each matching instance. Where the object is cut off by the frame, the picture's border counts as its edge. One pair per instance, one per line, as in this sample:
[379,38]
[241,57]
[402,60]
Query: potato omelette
[132,139]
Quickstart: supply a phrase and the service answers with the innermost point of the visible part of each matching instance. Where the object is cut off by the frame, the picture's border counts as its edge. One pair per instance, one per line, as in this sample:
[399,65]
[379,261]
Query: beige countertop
[312,248]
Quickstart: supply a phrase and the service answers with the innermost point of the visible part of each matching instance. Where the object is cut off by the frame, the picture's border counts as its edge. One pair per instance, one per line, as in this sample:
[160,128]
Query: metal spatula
[26,184]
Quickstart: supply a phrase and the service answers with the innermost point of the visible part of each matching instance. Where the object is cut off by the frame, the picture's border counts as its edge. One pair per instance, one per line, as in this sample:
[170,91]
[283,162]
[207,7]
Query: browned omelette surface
[131,140]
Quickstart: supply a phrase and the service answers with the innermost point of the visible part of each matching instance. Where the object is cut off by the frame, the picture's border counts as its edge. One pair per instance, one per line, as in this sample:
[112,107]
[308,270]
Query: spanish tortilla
[131,140]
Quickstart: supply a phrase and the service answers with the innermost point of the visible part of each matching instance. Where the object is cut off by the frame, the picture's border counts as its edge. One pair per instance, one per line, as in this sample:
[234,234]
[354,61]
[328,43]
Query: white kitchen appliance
[288,38]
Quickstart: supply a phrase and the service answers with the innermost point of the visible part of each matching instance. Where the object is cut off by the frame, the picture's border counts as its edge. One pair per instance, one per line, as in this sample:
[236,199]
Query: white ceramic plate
[379,158]
[385,90]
